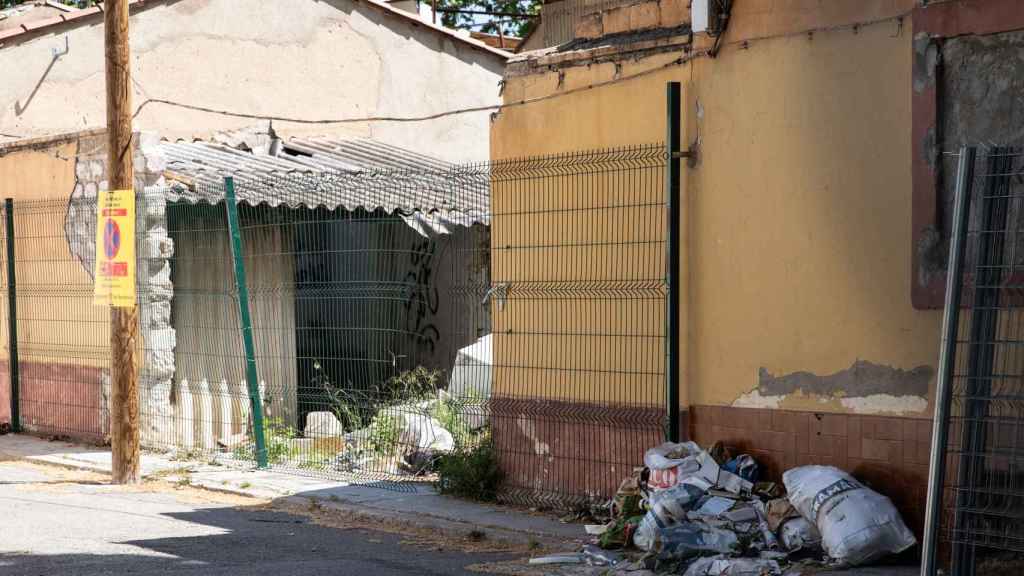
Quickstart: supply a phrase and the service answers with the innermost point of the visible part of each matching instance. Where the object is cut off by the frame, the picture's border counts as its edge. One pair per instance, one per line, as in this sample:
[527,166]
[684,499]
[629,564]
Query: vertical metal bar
[246,320]
[12,319]
[672,175]
[947,359]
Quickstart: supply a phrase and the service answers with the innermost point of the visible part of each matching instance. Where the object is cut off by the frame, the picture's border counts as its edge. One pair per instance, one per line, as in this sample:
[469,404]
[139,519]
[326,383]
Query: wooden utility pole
[124,322]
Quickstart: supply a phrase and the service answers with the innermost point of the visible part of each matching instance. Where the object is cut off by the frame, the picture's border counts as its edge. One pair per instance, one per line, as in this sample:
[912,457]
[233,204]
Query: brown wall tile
[888,454]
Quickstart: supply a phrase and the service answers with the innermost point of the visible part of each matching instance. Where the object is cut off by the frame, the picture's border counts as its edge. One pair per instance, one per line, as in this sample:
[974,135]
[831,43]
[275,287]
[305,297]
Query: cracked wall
[304,59]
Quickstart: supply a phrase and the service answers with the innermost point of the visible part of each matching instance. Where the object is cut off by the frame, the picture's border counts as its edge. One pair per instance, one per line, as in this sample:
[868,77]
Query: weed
[470,472]
[184,481]
[245,485]
[384,432]
[334,498]
[278,437]
[533,544]
[356,407]
[450,414]
[311,464]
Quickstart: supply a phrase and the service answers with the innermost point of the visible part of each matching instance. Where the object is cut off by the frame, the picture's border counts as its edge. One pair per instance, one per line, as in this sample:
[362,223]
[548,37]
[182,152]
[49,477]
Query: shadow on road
[253,540]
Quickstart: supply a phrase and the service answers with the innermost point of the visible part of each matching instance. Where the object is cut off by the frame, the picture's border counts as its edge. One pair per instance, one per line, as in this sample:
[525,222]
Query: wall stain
[863,378]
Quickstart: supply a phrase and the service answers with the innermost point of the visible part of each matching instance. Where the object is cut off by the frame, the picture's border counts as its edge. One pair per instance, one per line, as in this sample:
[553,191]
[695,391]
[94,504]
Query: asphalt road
[69,523]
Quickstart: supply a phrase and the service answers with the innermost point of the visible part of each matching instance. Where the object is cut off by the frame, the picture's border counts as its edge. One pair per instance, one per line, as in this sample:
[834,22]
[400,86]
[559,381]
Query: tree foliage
[72,3]
[490,24]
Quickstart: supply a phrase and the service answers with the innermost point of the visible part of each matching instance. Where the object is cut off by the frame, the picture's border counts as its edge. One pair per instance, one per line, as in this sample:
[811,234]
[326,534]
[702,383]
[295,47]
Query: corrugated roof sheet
[328,172]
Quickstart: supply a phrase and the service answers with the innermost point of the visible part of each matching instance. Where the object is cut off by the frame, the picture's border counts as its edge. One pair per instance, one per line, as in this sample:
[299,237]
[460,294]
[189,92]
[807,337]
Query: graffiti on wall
[423,300]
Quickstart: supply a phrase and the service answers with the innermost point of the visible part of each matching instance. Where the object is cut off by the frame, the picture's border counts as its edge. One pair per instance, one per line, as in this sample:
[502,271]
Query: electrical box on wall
[699,10]
[707,16]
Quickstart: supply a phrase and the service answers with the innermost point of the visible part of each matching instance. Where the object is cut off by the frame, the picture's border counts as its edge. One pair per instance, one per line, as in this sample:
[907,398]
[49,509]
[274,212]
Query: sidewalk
[415,504]
[412,504]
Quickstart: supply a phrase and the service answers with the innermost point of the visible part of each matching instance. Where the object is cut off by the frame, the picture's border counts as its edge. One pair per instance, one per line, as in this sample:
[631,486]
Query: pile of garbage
[706,513]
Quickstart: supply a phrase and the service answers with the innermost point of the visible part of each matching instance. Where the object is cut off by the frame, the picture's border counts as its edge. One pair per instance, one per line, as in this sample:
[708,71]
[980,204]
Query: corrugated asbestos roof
[333,173]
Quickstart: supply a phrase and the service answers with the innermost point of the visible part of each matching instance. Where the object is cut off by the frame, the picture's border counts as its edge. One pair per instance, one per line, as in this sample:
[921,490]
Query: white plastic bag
[857,525]
[670,462]
[799,534]
[669,455]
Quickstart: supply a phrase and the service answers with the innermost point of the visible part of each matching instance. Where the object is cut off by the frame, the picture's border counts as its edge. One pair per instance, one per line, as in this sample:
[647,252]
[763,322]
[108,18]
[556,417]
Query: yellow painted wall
[798,212]
[58,323]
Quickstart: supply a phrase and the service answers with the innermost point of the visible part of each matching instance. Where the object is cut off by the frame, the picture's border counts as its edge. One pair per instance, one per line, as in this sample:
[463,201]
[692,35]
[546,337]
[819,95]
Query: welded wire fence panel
[7,412]
[578,301]
[407,324]
[63,339]
[983,516]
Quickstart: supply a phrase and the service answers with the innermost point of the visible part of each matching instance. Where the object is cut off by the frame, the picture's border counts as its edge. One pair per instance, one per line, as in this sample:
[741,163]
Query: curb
[423,520]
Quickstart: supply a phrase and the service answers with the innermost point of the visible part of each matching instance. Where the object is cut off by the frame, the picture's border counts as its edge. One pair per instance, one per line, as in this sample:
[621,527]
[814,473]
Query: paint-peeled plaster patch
[861,379]
[863,388]
[885,404]
[754,399]
[529,429]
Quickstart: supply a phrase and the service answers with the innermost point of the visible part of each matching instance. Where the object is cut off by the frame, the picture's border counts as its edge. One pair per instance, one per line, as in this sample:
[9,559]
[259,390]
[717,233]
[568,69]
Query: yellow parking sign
[114,276]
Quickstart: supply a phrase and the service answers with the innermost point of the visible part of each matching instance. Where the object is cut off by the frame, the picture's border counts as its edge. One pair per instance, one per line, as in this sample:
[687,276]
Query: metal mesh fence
[983,497]
[508,313]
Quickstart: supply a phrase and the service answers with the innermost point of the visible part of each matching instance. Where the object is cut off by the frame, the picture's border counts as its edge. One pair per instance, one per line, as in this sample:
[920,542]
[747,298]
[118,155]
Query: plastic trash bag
[798,534]
[669,455]
[743,466]
[670,462]
[733,567]
[691,539]
[672,504]
[857,524]
[682,540]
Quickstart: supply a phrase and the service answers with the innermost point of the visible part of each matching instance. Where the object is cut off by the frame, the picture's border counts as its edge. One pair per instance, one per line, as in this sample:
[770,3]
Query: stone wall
[154,251]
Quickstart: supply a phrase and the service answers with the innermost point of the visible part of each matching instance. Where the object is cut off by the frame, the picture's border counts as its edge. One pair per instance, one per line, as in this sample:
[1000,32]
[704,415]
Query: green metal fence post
[246,321]
[12,318]
[672,270]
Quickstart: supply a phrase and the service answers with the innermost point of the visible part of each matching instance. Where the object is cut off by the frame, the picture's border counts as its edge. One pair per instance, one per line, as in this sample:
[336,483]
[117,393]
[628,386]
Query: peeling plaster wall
[863,388]
[299,58]
[797,210]
[54,184]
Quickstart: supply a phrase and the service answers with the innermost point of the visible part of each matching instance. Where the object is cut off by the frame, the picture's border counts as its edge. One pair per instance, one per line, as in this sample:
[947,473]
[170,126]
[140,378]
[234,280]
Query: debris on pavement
[599,557]
[558,559]
[697,512]
[722,566]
